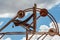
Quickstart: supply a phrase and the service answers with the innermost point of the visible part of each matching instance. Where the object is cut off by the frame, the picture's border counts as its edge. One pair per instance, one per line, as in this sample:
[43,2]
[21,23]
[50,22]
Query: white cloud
[8,39]
[45,29]
[1,23]
[49,5]
[12,6]
[56,37]
[10,15]
[24,38]
[6,15]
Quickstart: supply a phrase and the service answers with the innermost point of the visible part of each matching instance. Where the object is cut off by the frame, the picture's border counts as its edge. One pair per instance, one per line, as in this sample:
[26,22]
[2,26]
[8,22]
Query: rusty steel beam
[28,19]
[7,23]
[54,21]
[34,17]
[21,33]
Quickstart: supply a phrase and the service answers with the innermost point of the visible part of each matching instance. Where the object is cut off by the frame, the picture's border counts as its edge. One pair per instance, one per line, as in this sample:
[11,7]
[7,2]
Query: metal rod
[8,23]
[31,36]
[27,19]
[2,36]
[44,37]
[32,22]
[57,28]
[34,17]
[54,21]
[40,36]
[21,33]
[26,34]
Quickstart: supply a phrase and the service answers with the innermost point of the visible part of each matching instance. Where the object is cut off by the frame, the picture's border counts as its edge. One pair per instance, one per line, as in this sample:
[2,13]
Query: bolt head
[43,12]
[52,32]
[21,14]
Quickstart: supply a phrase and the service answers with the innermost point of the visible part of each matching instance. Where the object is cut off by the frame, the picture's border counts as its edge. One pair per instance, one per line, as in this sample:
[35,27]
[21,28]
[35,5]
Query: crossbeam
[21,33]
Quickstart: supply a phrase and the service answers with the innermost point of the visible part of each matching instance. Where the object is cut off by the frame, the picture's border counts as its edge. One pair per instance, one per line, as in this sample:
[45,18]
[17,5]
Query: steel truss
[24,24]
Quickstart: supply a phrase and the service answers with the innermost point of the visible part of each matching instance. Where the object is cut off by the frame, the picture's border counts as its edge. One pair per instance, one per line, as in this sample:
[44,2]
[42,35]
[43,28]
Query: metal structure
[24,24]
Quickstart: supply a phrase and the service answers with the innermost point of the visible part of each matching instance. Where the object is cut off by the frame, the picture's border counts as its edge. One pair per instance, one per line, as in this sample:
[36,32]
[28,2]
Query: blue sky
[55,11]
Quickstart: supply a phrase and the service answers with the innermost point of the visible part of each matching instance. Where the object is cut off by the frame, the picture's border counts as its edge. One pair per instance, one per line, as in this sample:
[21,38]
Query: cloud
[1,23]
[56,37]
[12,6]
[48,4]
[8,39]
[45,28]
[6,15]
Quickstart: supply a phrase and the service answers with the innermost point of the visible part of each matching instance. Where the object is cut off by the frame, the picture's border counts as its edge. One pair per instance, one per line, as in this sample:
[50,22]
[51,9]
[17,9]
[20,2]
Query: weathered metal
[24,24]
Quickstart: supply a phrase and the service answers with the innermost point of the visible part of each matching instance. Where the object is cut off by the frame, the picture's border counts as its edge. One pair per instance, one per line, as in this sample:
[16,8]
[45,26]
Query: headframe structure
[24,24]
